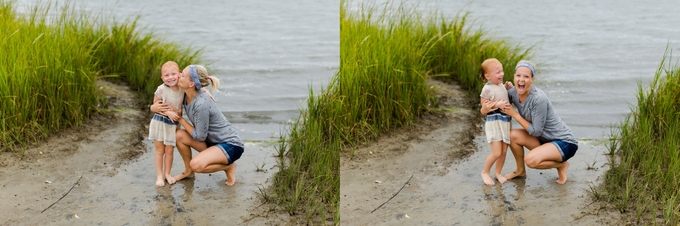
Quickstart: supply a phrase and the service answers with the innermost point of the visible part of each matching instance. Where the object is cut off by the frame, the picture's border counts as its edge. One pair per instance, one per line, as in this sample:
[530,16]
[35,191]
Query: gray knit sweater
[546,125]
[209,122]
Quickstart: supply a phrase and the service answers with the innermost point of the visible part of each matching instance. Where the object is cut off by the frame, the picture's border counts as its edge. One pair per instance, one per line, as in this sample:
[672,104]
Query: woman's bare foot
[515,174]
[183,175]
[487,179]
[231,175]
[562,172]
[171,180]
[500,178]
[160,181]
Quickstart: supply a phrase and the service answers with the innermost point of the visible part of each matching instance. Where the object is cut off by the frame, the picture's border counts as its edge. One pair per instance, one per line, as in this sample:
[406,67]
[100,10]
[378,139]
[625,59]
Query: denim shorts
[232,152]
[567,150]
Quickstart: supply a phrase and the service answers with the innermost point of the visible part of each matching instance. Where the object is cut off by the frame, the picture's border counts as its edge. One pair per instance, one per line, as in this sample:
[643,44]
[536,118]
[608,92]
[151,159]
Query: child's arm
[156,106]
[172,115]
[178,112]
[485,98]
[508,85]
[209,94]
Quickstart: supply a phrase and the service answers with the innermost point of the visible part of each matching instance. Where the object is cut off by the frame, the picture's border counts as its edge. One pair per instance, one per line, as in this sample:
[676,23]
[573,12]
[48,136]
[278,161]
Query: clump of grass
[387,53]
[51,62]
[645,175]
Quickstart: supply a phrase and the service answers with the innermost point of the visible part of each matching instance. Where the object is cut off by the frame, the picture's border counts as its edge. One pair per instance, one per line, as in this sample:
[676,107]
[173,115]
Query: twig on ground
[69,190]
[395,194]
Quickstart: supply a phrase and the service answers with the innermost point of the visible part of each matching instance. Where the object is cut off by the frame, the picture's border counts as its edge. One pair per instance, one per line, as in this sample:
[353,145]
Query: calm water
[591,55]
[266,53]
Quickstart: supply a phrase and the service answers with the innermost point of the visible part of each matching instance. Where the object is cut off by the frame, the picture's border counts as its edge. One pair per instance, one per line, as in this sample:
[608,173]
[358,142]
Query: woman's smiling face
[523,80]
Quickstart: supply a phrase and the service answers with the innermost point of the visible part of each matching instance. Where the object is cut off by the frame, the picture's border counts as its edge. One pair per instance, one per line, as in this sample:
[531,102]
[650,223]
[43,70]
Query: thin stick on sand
[69,190]
[395,194]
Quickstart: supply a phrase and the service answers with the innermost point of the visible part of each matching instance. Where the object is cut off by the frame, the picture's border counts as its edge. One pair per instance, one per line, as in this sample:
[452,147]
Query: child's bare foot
[231,175]
[160,181]
[487,179]
[171,180]
[183,175]
[500,178]
[514,174]
[562,172]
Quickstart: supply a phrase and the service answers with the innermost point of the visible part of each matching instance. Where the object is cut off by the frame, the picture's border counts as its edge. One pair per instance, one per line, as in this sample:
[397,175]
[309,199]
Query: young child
[497,126]
[163,125]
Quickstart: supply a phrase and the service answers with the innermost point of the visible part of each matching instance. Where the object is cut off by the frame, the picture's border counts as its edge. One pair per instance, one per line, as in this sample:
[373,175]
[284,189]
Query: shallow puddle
[458,196]
[127,195]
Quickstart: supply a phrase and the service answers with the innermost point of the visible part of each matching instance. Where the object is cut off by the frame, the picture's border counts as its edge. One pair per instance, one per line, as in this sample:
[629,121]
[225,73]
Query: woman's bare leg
[547,156]
[519,138]
[167,160]
[212,160]
[158,162]
[184,144]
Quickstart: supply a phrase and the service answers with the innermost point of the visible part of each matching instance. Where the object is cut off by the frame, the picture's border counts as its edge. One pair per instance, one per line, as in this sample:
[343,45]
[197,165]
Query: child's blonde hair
[487,64]
[169,64]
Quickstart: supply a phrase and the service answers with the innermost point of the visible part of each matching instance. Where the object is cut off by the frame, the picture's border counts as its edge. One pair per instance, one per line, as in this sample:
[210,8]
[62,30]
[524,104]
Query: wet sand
[118,177]
[447,189]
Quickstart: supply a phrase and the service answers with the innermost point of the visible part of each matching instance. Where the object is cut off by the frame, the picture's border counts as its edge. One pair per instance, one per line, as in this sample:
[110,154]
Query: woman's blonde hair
[206,79]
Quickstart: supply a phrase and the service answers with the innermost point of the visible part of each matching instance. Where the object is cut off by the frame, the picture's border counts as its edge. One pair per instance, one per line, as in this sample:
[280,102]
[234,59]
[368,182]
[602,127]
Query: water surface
[591,55]
[267,54]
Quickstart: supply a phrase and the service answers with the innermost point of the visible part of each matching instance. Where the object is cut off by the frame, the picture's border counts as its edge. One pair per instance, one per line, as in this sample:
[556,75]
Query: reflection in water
[500,207]
[167,207]
[519,185]
[165,204]
[188,186]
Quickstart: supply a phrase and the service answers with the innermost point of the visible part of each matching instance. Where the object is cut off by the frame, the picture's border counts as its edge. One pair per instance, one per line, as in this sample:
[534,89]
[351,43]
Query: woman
[210,133]
[549,140]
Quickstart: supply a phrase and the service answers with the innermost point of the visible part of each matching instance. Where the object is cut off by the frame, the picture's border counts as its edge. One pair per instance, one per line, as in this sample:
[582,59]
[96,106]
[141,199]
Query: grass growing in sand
[645,153]
[387,53]
[51,60]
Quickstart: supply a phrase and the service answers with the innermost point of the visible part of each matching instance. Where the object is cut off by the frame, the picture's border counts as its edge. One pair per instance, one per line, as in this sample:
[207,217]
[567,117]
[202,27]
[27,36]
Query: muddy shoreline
[444,153]
[117,187]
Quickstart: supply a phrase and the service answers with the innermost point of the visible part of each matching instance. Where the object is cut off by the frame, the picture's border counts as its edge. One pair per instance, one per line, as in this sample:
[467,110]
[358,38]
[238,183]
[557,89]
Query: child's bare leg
[167,160]
[500,162]
[231,174]
[158,162]
[493,156]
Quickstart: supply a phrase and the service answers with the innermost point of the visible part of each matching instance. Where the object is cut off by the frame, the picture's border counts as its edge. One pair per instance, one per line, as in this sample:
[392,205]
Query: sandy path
[118,176]
[445,156]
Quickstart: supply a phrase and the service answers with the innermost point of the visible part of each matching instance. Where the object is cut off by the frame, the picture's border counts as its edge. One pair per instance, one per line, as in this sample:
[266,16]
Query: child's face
[495,74]
[170,76]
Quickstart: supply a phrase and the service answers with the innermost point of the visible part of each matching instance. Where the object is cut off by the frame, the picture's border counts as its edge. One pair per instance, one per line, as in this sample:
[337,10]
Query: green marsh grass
[51,61]
[387,53]
[645,175]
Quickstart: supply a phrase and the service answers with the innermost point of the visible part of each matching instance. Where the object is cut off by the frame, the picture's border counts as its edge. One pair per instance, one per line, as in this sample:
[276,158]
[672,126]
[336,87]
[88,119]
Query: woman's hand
[159,107]
[501,104]
[488,106]
[509,110]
